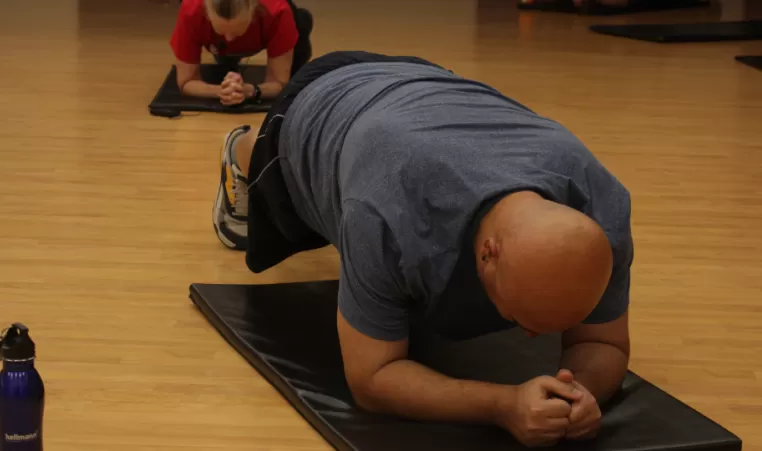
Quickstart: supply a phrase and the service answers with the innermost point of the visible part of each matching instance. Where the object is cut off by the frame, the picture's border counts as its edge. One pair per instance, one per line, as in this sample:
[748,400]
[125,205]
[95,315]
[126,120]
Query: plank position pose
[451,207]
[232,29]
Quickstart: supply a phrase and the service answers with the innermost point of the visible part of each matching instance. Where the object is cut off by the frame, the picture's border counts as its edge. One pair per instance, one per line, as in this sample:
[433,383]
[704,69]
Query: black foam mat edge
[753,61]
[333,437]
[168,102]
[567,6]
[677,33]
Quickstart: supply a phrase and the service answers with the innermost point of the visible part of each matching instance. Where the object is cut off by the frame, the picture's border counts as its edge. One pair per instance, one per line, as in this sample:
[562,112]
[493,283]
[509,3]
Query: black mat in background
[750,60]
[635,6]
[287,332]
[689,32]
[169,101]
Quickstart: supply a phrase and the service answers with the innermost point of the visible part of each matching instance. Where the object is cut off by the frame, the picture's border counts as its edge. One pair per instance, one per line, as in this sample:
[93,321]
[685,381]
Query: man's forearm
[199,88]
[406,388]
[599,367]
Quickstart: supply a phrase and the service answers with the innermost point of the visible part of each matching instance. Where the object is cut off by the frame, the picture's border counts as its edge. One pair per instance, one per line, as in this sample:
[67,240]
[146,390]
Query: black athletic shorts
[275,231]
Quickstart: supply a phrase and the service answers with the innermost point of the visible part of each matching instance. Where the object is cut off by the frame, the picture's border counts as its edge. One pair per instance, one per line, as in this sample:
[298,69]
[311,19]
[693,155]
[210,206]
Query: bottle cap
[16,343]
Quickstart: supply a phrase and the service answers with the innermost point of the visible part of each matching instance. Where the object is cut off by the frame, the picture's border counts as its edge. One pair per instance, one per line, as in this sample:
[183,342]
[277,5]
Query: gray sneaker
[231,207]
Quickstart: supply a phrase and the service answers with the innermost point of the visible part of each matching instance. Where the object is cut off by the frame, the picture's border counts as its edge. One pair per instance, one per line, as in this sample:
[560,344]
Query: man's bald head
[544,265]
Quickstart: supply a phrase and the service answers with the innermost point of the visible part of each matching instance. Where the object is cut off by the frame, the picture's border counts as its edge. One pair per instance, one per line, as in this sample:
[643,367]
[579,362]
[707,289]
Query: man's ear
[490,250]
[494,248]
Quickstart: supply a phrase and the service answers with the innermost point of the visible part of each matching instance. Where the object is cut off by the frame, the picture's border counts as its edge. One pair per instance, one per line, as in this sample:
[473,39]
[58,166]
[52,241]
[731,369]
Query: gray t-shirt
[394,163]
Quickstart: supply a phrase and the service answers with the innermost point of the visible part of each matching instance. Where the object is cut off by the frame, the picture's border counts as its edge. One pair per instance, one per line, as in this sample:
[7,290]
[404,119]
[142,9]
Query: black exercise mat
[287,332]
[169,101]
[595,9]
[749,60]
[689,32]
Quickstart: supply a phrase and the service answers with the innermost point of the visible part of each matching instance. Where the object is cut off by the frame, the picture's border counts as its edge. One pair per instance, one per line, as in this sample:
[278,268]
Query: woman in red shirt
[231,29]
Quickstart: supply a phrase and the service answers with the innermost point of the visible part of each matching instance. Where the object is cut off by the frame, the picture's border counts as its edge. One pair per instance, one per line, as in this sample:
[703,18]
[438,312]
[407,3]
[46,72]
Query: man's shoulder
[616,298]
[368,241]
[612,208]
[362,218]
[371,296]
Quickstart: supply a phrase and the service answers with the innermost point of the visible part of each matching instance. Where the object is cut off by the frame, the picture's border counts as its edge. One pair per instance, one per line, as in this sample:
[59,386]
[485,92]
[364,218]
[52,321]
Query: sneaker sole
[219,227]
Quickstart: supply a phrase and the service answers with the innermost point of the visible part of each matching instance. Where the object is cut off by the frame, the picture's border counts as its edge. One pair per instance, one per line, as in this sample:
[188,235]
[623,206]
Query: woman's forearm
[270,89]
[199,88]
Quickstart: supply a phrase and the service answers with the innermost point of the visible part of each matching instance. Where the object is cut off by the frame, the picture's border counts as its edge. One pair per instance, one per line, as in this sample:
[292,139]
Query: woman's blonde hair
[228,9]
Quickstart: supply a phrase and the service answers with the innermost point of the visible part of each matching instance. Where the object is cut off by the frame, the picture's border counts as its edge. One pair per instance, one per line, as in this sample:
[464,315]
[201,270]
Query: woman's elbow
[182,84]
[278,86]
[184,77]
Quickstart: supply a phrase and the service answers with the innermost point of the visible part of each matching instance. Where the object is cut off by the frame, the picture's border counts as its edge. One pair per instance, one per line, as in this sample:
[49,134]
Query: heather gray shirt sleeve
[616,298]
[371,297]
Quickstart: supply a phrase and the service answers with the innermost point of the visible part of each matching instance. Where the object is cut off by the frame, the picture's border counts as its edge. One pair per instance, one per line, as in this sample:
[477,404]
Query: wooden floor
[106,211]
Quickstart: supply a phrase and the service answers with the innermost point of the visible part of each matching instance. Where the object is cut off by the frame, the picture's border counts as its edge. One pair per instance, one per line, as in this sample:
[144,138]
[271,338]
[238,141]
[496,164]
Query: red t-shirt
[272,27]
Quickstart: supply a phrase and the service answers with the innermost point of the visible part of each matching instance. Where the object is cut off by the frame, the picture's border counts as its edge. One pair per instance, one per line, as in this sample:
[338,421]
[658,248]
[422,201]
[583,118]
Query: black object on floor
[594,8]
[689,32]
[170,102]
[287,332]
[749,60]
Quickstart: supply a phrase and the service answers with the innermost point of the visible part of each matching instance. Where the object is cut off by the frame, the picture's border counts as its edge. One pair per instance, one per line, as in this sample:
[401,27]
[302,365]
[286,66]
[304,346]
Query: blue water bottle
[22,393]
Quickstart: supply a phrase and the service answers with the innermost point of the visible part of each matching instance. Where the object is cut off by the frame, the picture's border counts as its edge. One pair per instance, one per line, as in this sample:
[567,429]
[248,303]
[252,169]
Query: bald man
[453,208]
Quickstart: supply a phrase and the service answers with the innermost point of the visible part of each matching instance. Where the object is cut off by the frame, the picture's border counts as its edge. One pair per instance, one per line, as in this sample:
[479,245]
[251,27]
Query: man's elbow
[624,348]
[367,404]
[370,394]
[365,398]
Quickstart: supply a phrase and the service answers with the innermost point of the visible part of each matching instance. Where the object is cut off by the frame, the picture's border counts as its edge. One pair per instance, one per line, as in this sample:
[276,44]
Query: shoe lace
[240,198]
